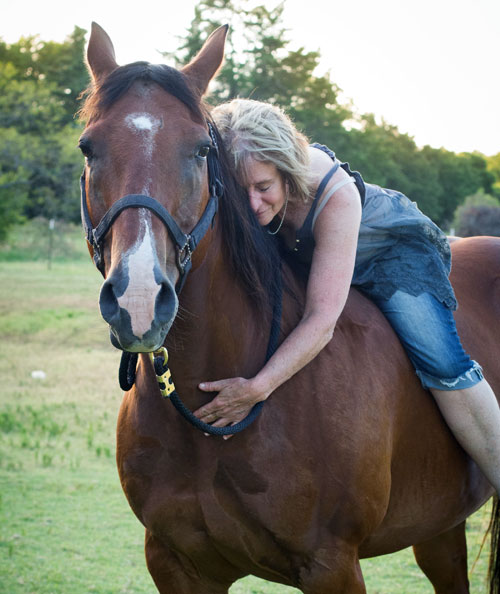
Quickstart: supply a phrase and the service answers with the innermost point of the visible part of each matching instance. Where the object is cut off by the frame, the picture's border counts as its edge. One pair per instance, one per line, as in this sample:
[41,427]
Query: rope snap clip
[159,359]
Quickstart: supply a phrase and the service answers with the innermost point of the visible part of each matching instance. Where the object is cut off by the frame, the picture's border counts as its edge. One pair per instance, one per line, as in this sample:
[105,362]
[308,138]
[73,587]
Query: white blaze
[145,126]
[142,122]
[140,295]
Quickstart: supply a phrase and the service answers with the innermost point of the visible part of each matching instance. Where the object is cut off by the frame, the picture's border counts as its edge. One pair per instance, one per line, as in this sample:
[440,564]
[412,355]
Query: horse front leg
[170,574]
[334,571]
[443,559]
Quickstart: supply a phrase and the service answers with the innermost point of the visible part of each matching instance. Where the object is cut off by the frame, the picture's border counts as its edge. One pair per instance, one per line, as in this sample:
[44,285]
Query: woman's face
[266,189]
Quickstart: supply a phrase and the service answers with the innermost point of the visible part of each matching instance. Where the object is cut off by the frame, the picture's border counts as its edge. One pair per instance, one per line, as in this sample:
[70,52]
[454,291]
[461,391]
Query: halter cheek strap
[185,243]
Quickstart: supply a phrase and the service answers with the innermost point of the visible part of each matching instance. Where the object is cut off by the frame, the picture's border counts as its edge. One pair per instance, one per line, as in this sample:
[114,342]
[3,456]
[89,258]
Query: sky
[431,68]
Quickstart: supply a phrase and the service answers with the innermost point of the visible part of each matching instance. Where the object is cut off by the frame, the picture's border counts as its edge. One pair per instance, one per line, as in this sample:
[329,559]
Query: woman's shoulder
[319,163]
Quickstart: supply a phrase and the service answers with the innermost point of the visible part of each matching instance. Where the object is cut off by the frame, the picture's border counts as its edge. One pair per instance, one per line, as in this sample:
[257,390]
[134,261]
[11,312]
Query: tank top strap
[324,201]
[304,239]
[307,226]
[360,184]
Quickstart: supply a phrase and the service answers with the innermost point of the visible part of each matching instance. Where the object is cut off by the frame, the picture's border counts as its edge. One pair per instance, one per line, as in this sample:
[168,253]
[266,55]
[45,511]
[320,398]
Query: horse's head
[145,184]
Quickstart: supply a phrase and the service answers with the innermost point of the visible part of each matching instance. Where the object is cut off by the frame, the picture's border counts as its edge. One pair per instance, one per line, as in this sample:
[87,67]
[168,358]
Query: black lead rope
[126,373]
[129,362]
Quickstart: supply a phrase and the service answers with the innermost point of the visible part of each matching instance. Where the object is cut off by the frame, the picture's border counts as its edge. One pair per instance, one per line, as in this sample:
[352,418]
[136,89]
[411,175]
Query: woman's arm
[336,235]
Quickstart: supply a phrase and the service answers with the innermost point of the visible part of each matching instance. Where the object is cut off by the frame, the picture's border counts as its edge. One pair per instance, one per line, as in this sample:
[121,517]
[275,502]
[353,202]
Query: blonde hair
[264,132]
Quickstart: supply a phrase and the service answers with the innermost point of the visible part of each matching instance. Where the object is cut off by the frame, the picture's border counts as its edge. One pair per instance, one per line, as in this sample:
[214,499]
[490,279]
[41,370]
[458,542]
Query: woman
[348,232]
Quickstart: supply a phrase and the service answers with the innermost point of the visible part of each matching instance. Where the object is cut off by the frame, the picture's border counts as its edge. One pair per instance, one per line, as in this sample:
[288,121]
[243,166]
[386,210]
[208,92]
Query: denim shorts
[428,333]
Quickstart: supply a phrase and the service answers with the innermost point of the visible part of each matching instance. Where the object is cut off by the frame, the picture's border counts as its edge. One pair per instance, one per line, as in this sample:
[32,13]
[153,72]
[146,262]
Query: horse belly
[434,484]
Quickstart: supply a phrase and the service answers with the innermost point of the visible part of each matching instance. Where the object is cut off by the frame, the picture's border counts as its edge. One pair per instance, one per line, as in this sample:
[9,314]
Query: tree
[260,66]
[58,64]
[493,166]
[478,215]
[40,82]
[479,220]
[29,106]
[39,163]
[459,176]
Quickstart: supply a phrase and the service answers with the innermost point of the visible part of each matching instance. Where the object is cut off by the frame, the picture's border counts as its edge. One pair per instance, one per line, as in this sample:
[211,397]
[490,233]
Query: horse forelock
[100,97]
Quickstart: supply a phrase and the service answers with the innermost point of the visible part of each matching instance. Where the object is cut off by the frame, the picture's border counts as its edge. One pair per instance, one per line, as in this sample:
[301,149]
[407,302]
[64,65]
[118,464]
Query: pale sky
[431,68]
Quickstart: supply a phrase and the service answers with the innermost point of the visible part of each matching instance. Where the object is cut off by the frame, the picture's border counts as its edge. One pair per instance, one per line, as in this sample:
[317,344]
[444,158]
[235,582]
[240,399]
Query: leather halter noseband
[185,243]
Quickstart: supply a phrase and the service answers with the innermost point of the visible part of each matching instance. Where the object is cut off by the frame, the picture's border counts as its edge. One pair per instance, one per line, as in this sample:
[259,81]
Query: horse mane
[251,252]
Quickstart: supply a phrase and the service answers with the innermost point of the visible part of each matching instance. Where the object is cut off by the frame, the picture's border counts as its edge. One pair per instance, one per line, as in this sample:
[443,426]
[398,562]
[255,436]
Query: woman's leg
[427,330]
[473,415]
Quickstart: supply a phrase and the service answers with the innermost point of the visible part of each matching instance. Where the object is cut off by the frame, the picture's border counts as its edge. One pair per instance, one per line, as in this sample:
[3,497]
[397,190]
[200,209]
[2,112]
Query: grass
[36,241]
[65,525]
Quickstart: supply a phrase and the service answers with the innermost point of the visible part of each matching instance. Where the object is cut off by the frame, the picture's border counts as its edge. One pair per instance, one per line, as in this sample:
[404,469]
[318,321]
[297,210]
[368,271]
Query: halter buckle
[184,253]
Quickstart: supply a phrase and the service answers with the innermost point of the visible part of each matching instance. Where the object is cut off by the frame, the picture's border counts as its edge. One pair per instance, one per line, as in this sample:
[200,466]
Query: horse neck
[218,332]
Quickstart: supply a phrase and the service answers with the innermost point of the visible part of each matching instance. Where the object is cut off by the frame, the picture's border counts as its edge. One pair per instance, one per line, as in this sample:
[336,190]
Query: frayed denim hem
[469,378]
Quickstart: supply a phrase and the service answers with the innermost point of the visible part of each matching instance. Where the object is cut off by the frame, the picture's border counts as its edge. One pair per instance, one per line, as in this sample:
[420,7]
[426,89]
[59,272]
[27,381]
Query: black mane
[251,251]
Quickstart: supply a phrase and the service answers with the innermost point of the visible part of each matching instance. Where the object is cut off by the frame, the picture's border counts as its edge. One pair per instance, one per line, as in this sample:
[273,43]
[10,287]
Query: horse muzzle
[139,315]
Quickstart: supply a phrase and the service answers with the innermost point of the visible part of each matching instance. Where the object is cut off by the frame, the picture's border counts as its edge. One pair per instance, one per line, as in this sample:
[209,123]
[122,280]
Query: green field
[65,526]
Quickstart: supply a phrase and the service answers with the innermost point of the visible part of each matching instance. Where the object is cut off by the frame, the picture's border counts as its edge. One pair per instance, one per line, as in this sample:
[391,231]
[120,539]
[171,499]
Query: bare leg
[473,415]
[443,559]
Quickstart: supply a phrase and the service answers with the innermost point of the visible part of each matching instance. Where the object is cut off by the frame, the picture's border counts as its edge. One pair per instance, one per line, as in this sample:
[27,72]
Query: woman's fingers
[208,386]
[223,421]
[207,415]
[218,385]
[231,405]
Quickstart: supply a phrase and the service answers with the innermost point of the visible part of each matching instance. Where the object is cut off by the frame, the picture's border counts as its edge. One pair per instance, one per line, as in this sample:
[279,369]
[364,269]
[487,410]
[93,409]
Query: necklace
[283,217]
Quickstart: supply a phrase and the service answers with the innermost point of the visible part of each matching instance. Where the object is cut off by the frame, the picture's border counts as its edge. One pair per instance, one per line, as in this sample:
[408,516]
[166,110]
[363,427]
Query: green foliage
[58,66]
[493,166]
[13,194]
[259,65]
[29,106]
[40,82]
[40,173]
[478,215]
[39,164]
[478,220]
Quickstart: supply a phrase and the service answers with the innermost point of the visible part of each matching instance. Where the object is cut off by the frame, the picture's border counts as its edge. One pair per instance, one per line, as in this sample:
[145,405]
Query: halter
[185,243]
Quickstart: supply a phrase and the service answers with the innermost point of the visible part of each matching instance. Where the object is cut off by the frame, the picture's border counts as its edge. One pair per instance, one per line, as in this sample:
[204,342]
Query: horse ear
[204,66]
[100,53]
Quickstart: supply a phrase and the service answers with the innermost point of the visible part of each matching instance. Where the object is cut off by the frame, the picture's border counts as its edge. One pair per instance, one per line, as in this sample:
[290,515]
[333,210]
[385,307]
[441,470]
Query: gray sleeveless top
[399,248]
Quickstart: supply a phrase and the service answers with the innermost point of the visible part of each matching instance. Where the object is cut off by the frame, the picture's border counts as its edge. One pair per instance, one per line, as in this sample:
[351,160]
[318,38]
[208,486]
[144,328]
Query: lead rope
[159,359]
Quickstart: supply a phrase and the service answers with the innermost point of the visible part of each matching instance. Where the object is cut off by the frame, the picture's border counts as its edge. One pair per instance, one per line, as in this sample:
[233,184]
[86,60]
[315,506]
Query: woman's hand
[236,398]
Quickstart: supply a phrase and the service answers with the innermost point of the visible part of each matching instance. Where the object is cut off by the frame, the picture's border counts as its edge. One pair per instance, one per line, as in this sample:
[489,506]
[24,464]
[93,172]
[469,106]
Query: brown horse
[350,458]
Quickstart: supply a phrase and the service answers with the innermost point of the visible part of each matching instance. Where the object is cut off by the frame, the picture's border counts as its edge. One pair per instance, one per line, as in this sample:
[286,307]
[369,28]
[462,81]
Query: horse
[348,459]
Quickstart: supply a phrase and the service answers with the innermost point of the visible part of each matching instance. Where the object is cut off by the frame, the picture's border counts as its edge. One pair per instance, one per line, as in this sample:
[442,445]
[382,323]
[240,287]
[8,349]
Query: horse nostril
[166,303]
[108,302]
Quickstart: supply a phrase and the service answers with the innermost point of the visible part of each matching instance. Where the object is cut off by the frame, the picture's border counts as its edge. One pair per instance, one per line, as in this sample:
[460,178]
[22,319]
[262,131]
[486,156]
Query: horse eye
[86,148]
[203,151]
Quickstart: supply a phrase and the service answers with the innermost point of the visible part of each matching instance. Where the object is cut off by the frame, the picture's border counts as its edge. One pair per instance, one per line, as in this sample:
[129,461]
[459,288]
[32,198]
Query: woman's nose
[254,199]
